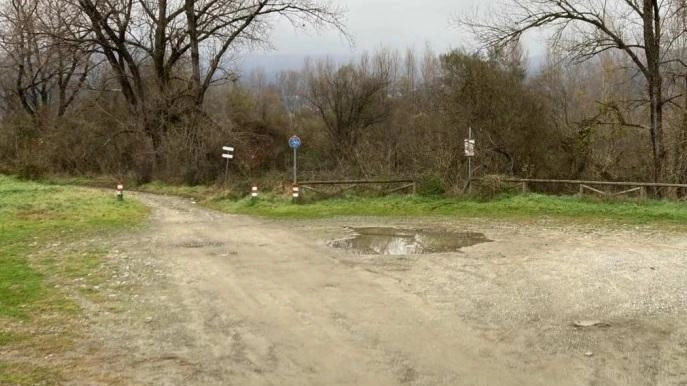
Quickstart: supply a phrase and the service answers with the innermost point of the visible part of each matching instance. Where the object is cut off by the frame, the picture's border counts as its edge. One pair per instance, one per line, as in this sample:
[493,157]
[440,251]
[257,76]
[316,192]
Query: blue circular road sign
[294,142]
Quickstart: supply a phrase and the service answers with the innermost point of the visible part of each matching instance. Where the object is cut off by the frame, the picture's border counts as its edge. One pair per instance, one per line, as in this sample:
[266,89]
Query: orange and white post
[120,191]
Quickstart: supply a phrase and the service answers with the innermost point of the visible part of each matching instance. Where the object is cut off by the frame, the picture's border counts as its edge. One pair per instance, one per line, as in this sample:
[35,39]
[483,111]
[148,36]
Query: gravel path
[204,298]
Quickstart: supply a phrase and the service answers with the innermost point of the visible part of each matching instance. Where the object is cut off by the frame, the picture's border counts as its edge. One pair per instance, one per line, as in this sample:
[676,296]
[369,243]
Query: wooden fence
[583,185]
[594,186]
[351,184]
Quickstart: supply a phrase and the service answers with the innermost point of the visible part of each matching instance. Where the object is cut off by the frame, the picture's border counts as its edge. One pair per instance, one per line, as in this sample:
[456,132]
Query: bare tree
[49,67]
[173,32]
[490,94]
[166,54]
[349,99]
[676,74]
[586,28]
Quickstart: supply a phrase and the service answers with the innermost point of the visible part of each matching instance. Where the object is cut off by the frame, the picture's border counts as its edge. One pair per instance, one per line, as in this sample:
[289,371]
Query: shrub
[431,185]
[492,186]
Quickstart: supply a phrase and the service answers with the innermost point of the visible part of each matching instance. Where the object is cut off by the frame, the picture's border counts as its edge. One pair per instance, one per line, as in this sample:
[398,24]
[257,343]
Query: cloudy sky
[373,24]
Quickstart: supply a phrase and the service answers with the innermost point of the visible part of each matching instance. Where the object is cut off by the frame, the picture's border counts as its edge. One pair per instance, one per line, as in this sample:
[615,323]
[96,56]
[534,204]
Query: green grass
[7,338]
[156,187]
[528,206]
[23,374]
[198,191]
[38,224]
[34,215]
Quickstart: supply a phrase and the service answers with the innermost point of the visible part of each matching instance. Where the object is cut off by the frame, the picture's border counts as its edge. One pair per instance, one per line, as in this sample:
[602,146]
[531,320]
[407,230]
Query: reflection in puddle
[395,241]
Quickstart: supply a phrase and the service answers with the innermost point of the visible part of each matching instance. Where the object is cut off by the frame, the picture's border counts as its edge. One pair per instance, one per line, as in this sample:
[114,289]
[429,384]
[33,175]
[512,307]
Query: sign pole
[469,152]
[295,143]
[226,173]
[295,165]
[227,154]
[470,164]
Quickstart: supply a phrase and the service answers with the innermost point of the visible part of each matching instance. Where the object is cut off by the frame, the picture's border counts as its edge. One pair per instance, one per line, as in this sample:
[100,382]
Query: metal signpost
[227,154]
[469,152]
[295,143]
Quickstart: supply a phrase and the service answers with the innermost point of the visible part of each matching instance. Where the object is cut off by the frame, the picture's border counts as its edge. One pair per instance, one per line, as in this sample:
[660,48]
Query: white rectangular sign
[469,147]
[227,148]
[229,156]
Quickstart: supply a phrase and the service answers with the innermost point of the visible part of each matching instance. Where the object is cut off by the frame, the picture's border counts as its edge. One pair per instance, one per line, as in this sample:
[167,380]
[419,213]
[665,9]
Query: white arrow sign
[228,156]
[227,148]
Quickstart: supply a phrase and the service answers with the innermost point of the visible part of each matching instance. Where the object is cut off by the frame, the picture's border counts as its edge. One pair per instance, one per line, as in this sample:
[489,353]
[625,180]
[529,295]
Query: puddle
[397,241]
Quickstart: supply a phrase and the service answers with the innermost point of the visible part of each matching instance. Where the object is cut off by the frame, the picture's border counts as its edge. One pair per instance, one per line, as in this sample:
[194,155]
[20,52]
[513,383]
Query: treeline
[144,90]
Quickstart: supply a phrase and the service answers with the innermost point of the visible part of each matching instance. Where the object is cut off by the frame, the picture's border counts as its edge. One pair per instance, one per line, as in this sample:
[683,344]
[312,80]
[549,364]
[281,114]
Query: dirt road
[204,298]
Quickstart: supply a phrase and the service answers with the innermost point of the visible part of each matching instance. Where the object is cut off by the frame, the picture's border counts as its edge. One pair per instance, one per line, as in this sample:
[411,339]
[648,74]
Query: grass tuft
[7,338]
[18,374]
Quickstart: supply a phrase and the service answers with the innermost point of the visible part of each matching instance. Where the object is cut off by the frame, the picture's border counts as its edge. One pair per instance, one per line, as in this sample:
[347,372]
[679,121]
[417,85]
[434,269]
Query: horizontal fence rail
[356,182]
[408,184]
[585,185]
[606,183]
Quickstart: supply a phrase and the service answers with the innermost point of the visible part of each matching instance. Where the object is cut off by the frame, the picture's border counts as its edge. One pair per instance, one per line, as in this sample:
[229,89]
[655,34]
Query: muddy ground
[203,298]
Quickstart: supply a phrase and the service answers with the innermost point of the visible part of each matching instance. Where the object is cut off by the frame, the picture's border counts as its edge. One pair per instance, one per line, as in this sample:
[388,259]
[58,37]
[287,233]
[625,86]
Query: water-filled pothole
[397,241]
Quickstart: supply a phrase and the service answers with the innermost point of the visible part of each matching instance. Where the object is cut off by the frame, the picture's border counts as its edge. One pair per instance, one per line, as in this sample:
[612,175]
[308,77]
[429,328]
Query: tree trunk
[657,140]
[159,46]
[652,32]
[679,172]
[192,26]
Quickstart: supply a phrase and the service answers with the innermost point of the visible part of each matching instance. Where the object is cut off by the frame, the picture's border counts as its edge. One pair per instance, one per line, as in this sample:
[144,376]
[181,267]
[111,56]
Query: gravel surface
[203,298]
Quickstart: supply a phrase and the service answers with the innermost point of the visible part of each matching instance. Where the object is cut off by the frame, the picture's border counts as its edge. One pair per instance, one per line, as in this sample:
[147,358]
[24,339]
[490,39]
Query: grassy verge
[199,192]
[520,206]
[526,207]
[36,222]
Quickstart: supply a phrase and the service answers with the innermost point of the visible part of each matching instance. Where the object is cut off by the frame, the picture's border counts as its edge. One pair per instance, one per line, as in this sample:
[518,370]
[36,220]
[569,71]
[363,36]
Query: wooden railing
[406,184]
[587,185]
[583,185]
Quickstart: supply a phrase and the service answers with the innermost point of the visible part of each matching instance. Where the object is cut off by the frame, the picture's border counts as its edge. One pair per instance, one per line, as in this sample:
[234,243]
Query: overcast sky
[373,24]
[389,23]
